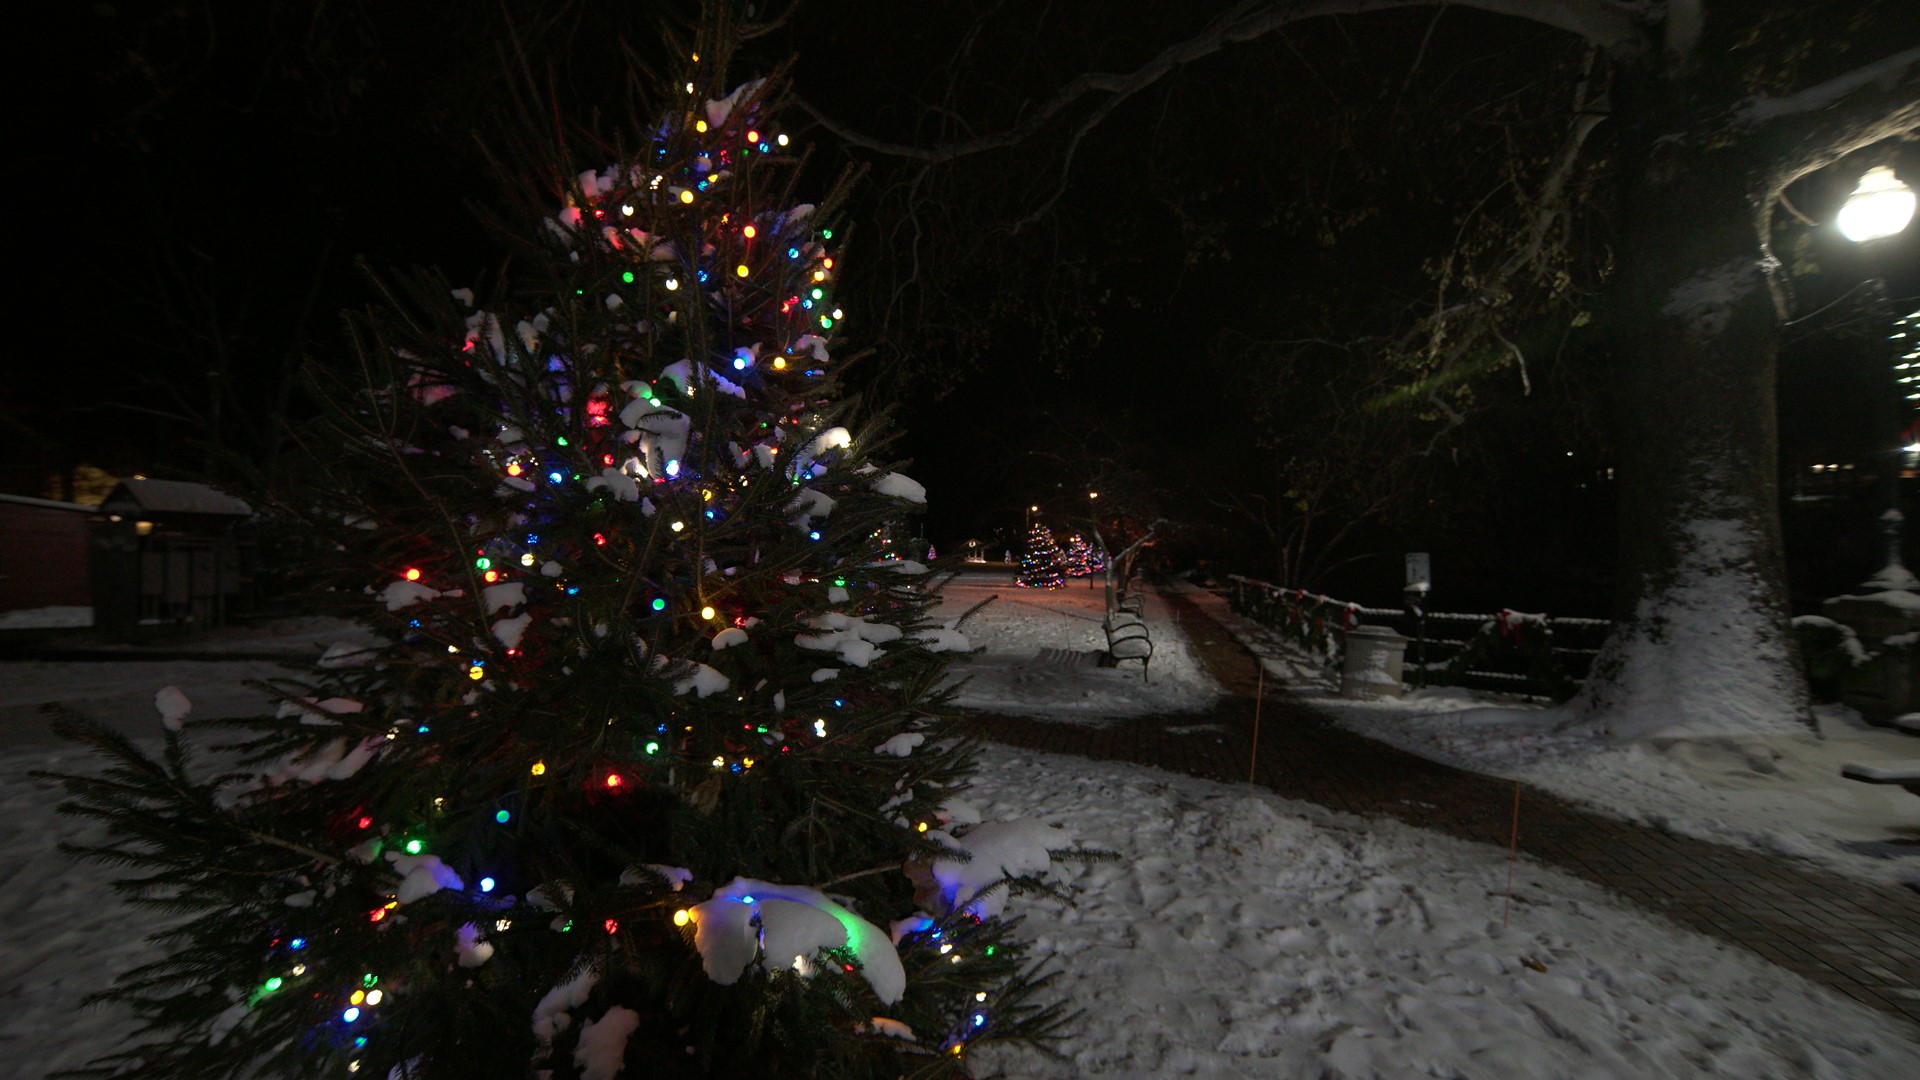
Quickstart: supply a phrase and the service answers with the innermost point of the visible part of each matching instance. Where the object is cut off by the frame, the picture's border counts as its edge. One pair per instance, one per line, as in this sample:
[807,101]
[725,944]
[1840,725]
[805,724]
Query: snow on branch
[1887,74]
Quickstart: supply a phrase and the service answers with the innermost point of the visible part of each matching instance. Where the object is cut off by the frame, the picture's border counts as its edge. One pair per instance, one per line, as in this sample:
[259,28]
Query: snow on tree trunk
[1703,647]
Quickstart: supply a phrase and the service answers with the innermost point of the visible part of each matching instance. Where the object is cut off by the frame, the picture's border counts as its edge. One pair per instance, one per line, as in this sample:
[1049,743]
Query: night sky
[207,175]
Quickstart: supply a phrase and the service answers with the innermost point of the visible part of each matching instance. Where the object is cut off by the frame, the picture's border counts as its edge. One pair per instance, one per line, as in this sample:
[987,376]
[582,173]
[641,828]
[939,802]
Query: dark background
[198,180]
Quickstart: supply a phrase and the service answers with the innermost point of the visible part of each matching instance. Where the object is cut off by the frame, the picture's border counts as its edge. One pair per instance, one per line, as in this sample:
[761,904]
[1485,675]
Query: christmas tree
[1082,558]
[1041,564]
[649,770]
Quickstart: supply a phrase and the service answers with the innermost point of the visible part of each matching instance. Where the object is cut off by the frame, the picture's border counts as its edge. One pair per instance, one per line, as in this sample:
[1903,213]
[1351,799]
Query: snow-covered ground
[1038,651]
[1239,935]
[1245,935]
[1778,794]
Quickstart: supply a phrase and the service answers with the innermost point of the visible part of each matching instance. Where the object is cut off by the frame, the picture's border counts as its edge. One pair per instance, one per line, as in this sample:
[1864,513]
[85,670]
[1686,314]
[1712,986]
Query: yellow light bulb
[707,612]
[700,126]
[749,232]
[741,270]
[922,826]
[476,674]
[539,768]
[357,997]
[686,196]
[682,917]
[779,363]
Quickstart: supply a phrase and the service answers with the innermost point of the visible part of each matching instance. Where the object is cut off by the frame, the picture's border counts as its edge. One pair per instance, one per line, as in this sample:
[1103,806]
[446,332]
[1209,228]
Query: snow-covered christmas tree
[649,770]
[1042,566]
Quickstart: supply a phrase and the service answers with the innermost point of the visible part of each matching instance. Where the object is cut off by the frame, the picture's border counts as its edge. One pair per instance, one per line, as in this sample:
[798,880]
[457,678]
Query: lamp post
[1880,207]
[1093,498]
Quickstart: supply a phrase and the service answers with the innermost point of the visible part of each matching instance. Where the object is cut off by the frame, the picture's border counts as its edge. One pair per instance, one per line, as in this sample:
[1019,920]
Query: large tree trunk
[1703,647]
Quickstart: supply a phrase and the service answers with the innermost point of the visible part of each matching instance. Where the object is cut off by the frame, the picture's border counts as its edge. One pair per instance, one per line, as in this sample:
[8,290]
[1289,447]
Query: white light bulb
[1879,207]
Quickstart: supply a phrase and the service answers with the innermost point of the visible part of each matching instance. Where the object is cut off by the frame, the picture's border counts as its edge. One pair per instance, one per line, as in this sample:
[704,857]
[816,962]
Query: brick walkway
[1861,940]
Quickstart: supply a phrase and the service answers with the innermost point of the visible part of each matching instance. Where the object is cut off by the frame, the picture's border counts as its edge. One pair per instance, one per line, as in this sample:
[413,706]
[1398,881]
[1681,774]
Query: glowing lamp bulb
[539,768]
[653,748]
[779,363]
[626,209]
[413,574]
[922,827]
[677,526]
[753,136]
[749,232]
[415,847]
[682,917]
[781,139]
[707,612]
[672,284]
[513,468]
[741,270]
[358,997]
[613,780]
[1879,207]
[502,816]
[374,996]
[686,196]
[273,984]
[700,126]
[476,673]
[350,1015]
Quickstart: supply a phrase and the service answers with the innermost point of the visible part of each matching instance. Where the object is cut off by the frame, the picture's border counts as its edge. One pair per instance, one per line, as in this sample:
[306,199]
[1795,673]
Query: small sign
[1419,572]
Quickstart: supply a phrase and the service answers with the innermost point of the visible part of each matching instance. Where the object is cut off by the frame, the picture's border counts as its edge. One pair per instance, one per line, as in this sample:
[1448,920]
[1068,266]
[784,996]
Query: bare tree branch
[1604,23]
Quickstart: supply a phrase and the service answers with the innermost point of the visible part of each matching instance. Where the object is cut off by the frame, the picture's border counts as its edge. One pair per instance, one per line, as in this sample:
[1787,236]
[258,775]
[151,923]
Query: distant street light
[1878,208]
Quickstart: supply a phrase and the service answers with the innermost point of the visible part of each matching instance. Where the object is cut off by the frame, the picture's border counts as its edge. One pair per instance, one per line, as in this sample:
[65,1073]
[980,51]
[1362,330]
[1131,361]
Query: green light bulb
[415,847]
[483,563]
[273,984]
[627,277]
[653,748]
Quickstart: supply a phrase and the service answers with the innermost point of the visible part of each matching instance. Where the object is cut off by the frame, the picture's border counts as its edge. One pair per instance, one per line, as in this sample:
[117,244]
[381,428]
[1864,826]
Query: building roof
[49,504]
[173,497]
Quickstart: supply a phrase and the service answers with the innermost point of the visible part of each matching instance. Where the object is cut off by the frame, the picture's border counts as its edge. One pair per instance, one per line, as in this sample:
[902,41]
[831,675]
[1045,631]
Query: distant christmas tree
[649,771]
[1082,558]
[1041,565]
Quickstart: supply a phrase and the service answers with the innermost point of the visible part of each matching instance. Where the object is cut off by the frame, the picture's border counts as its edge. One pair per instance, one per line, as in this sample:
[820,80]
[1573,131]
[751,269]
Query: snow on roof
[50,504]
[178,497]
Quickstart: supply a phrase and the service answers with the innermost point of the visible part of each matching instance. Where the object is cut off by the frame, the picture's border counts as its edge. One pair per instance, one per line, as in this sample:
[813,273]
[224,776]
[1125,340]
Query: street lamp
[1878,208]
[1881,206]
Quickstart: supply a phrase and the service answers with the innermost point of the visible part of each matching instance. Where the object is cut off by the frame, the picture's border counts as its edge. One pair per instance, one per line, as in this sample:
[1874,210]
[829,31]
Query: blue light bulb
[486,883]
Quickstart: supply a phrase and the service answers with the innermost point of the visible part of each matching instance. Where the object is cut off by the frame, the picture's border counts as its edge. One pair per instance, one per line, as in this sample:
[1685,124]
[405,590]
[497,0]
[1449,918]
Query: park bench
[1904,773]
[1127,636]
